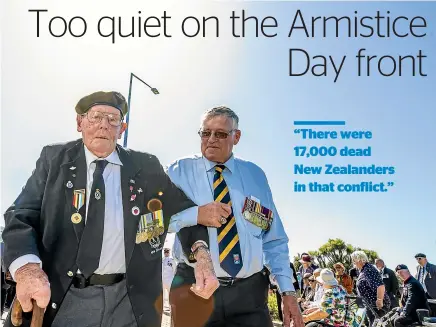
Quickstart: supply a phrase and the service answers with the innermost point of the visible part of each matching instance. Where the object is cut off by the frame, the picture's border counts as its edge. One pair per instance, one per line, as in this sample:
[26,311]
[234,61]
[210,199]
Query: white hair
[221,111]
[361,256]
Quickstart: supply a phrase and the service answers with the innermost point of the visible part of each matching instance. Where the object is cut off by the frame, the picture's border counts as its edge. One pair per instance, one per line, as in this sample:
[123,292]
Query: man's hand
[32,283]
[291,312]
[213,214]
[206,282]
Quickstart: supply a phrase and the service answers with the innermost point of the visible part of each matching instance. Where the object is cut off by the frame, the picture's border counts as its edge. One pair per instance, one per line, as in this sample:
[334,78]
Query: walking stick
[17,314]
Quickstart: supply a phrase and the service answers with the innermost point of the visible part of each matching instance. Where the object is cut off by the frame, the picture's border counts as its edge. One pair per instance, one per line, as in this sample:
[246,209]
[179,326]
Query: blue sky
[251,76]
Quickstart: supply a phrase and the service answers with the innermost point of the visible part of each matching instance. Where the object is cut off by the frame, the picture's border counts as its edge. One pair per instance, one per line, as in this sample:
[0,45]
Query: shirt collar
[229,164]
[112,158]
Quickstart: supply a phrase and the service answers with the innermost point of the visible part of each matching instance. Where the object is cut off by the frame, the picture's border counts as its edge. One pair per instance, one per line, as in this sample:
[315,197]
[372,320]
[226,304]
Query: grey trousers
[102,306]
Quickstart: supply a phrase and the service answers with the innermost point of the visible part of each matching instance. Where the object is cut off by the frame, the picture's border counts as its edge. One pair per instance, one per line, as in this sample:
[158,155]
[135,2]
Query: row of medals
[149,233]
[257,218]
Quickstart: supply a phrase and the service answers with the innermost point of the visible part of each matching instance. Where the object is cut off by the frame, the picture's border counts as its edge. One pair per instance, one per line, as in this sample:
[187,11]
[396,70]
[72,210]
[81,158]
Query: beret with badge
[400,267]
[113,99]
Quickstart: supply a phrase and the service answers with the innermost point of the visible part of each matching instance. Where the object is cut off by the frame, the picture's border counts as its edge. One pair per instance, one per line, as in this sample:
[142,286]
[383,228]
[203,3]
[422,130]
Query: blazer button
[54,306]
[70,274]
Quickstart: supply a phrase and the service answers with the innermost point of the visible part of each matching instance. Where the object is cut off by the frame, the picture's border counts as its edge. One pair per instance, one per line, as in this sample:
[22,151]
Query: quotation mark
[390,183]
[296,131]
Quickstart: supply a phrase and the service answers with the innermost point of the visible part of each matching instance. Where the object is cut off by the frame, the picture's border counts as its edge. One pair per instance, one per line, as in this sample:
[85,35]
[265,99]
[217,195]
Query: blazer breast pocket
[152,249]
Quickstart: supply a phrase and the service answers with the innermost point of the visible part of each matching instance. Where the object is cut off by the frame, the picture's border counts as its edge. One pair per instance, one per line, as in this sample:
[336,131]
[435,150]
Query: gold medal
[76,218]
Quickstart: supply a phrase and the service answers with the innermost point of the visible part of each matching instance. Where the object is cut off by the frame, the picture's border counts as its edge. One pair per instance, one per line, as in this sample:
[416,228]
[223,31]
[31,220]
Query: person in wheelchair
[332,310]
[413,298]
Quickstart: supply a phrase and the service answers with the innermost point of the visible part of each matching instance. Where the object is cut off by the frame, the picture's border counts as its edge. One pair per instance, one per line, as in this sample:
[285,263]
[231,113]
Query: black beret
[420,255]
[113,99]
[401,267]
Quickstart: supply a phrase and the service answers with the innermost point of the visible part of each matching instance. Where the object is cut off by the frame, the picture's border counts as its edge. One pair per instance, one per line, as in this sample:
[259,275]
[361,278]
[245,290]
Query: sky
[44,77]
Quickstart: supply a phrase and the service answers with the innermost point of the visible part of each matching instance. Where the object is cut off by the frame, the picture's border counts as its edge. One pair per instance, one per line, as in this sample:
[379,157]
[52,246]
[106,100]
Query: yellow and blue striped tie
[228,238]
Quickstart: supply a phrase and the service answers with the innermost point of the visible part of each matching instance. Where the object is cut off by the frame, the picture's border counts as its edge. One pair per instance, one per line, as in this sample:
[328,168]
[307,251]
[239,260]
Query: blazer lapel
[75,176]
[132,190]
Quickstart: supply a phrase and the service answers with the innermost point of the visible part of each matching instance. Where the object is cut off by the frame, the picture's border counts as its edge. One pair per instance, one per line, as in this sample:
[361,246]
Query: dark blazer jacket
[39,223]
[429,279]
[390,280]
[413,298]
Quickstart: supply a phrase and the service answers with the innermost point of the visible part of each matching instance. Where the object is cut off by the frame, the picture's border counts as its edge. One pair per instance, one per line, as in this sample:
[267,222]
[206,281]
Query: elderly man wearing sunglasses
[248,234]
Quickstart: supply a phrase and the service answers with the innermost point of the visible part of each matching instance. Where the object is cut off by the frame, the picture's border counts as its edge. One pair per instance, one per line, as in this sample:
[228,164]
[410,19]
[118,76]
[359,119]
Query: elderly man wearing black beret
[84,237]
[426,275]
[412,299]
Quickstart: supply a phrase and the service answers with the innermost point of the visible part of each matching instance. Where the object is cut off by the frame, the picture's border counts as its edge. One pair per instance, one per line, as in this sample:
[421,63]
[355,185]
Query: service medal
[76,218]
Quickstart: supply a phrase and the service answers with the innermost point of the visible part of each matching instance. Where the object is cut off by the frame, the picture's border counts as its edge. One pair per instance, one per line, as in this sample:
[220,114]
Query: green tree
[335,250]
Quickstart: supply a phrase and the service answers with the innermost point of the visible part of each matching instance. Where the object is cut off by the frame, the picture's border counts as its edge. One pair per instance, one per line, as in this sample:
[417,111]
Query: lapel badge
[139,190]
[69,184]
[76,218]
[154,242]
[135,211]
[133,197]
[132,181]
[131,188]
[72,167]
[97,194]
[154,205]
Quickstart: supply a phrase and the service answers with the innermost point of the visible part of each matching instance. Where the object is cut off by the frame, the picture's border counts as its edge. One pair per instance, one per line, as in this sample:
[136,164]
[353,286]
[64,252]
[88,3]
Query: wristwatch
[291,293]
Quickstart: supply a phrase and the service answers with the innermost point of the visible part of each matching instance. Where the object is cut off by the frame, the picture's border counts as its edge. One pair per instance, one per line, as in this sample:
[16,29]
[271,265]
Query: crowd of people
[331,297]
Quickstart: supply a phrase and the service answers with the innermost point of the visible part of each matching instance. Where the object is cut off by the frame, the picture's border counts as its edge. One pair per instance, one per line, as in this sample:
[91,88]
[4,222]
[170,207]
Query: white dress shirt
[168,270]
[112,258]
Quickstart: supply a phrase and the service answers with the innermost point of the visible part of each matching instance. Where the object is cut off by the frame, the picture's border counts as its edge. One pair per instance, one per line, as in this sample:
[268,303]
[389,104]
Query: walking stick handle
[17,314]
[37,316]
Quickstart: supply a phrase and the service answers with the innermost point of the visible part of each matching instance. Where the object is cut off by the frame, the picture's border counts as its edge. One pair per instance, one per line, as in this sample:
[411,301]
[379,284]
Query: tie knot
[219,168]
[100,165]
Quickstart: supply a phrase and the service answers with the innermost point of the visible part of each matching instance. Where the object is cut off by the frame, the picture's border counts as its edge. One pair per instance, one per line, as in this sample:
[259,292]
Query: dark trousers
[403,321]
[431,306]
[3,291]
[243,304]
[279,305]
[379,313]
[394,300]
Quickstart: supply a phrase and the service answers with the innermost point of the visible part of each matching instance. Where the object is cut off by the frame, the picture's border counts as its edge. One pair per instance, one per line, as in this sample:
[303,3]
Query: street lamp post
[154,90]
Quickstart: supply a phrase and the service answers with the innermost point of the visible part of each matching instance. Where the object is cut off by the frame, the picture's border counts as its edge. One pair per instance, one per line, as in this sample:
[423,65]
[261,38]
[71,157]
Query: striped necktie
[228,238]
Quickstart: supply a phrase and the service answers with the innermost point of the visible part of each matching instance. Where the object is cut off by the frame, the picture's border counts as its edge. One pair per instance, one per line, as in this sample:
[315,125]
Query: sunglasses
[419,259]
[218,134]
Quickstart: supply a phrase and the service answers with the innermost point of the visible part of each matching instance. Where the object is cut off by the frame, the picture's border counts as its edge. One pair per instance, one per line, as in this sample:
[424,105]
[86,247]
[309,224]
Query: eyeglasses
[95,117]
[419,259]
[218,134]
